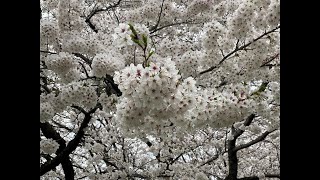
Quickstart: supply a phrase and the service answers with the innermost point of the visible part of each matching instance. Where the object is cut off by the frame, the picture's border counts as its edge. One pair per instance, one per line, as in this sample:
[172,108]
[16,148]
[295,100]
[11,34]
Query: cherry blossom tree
[160,89]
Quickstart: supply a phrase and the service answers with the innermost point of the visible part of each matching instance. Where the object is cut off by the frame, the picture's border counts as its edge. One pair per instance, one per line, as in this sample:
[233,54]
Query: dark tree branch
[84,68]
[72,145]
[258,139]
[272,175]
[87,60]
[62,126]
[45,88]
[123,150]
[238,49]
[46,156]
[232,160]
[155,27]
[247,122]
[109,79]
[115,14]
[210,160]
[175,159]
[80,109]
[49,132]
[173,24]
[138,176]
[232,154]
[88,18]
[249,178]
[257,178]
[106,160]
[270,59]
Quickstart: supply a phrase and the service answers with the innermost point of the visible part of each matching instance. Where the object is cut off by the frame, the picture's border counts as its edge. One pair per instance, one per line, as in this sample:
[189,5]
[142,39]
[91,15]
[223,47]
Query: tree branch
[210,160]
[175,159]
[155,27]
[232,154]
[87,60]
[45,88]
[139,176]
[109,79]
[238,49]
[258,139]
[49,132]
[88,18]
[173,24]
[270,59]
[247,122]
[257,178]
[272,175]
[84,68]
[249,178]
[72,145]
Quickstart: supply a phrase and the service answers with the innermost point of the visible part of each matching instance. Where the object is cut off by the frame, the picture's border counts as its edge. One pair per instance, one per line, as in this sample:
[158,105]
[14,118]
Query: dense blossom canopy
[160,89]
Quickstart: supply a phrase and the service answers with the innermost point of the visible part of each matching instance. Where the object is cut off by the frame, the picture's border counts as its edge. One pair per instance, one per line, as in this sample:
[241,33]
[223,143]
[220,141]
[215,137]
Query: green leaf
[145,40]
[262,87]
[133,30]
[134,39]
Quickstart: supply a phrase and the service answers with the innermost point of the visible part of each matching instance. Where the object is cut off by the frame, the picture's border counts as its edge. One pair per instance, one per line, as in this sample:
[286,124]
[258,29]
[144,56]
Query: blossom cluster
[69,15]
[60,63]
[218,109]
[152,94]
[74,43]
[49,32]
[78,93]
[49,146]
[123,34]
[106,63]
[75,93]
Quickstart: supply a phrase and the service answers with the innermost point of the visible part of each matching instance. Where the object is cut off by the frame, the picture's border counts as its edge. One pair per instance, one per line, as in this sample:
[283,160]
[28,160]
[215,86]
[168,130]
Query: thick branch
[247,122]
[272,175]
[49,132]
[45,88]
[109,79]
[232,160]
[232,154]
[72,145]
[238,49]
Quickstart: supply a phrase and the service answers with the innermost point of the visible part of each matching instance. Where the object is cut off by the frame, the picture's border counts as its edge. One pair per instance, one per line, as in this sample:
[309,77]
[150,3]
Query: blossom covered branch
[148,89]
